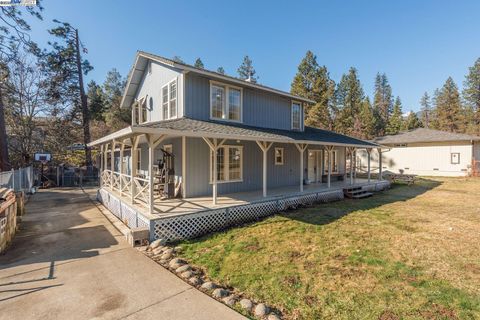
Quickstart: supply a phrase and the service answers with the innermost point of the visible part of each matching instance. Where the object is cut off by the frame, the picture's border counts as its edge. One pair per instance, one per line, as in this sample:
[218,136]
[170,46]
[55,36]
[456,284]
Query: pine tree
[313,82]
[199,64]
[471,95]
[426,110]
[367,120]
[348,98]
[395,121]
[221,70]
[448,108]
[178,59]
[412,121]
[246,70]
[382,103]
[96,101]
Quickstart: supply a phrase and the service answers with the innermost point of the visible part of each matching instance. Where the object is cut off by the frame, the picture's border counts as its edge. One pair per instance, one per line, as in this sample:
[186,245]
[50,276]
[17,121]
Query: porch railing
[106,180]
[116,181]
[125,184]
[142,190]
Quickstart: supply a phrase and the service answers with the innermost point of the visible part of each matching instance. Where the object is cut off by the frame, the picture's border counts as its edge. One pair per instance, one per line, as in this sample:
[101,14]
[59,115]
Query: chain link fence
[19,180]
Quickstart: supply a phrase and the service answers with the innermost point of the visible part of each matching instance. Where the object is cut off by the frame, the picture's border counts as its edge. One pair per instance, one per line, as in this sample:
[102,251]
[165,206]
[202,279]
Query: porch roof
[222,130]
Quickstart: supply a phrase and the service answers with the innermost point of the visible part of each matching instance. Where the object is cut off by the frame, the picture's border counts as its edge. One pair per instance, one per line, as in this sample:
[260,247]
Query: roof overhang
[141,59]
[136,130]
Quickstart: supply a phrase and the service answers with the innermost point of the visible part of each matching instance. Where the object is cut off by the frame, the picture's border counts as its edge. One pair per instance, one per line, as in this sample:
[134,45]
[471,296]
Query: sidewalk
[69,262]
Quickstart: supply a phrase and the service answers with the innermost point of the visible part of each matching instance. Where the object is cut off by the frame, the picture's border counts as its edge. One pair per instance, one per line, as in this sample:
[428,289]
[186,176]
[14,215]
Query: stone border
[165,255]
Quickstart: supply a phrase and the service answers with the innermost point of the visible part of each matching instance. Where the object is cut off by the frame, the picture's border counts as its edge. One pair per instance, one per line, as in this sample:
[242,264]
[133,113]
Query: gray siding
[260,108]
[288,174]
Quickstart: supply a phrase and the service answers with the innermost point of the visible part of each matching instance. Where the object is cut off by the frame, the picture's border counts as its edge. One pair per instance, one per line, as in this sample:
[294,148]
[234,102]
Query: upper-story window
[169,100]
[296,116]
[225,102]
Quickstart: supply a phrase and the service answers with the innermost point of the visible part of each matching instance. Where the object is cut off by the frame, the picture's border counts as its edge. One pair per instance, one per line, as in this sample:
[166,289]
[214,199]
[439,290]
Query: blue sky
[418,44]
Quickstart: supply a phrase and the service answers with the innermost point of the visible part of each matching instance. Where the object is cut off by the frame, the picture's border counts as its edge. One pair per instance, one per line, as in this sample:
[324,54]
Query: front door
[311,165]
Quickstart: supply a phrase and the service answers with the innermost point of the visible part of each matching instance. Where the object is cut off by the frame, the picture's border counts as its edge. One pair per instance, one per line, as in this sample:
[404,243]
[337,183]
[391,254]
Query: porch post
[150,173]
[369,150]
[133,169]
[352,150]
[184,167]
[214,146]
[122,149]
[379,163]
[301,148]
[264,146]
[112,163]
[330,154]
[101,166]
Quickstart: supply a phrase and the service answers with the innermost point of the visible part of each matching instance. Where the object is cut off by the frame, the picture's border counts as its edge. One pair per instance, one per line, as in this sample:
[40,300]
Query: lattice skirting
[200,223]
[121,210]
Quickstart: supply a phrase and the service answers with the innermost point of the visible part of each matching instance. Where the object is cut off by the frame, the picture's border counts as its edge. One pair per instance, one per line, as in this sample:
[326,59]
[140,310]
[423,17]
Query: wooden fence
[8,217]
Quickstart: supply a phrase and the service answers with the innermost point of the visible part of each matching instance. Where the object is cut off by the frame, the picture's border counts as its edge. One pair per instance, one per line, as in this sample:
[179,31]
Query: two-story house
[198,134]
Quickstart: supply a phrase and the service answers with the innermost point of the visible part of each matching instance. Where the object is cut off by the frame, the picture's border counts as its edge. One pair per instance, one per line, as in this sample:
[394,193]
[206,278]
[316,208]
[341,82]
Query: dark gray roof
[424,135]
[239,131]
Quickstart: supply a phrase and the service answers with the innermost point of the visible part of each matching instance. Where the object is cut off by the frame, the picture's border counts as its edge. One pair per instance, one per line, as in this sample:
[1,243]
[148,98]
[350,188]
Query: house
[428,152]
[163,165]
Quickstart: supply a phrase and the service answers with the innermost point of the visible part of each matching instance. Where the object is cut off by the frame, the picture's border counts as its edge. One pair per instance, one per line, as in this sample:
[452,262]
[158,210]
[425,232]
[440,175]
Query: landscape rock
[178,249]
[230,300]
[261,310]
[157,243]
[168,250]
[176,263]
[183,268]
[187,274]
[209,285]
[166,256]
[196,281]
[246,304]
[273,316]
[220,293]
[157,250]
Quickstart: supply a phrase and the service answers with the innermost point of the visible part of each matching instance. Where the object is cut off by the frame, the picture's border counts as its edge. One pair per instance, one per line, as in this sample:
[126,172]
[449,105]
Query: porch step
[356,193]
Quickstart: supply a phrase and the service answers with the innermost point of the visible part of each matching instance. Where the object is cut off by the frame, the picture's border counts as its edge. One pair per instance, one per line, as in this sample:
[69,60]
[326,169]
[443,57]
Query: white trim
[226,107]
[226,170]
[299,116]
[282,151]
[334,163]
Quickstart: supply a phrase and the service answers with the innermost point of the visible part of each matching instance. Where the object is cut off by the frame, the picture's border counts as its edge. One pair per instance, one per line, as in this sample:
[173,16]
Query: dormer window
[225,102]
[296,116]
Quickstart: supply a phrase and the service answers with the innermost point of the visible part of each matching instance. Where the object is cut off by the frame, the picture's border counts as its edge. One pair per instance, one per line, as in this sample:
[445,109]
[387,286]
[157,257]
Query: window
[278,156]
[296,116]
[139,160]
[225,102]
[229,164]
[334,161]
[455,158]
[169,100]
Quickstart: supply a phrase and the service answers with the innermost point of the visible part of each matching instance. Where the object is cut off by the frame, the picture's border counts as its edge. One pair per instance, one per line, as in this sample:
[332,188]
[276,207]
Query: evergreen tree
[448,108]
[221,70]
[382,103]
[96,101]
[246,70]
[412,121]
[471,95]
[199,64]
[367,120]
[313,82]
[178,59]
[348,98]
[395,121]
[426,110]
[115,117]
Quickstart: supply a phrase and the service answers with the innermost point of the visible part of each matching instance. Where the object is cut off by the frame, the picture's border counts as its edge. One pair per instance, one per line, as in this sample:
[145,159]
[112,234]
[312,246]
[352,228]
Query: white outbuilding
[427,152]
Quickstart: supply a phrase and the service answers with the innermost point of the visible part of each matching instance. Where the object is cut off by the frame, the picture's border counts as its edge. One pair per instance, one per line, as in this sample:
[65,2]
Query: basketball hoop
[43,158]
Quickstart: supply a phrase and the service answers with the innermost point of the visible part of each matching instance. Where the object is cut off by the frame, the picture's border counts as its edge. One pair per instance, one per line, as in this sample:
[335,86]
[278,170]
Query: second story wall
[154,79]
[259,108]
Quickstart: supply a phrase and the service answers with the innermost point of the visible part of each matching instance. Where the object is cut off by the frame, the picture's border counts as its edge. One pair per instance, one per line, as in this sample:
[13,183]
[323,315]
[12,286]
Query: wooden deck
[173,207]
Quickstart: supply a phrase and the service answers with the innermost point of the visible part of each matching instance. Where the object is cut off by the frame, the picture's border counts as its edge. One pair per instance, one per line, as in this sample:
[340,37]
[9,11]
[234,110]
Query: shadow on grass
[320,214]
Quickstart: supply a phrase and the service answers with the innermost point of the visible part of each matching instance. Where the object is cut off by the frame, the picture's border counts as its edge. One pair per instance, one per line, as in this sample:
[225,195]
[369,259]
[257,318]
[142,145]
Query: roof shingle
[425,135]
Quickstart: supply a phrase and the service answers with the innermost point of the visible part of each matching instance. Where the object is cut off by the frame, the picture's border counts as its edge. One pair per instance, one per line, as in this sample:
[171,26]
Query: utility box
[138,237]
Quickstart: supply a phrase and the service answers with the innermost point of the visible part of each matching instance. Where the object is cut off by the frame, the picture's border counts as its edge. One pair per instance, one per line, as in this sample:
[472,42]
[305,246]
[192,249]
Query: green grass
[408,253]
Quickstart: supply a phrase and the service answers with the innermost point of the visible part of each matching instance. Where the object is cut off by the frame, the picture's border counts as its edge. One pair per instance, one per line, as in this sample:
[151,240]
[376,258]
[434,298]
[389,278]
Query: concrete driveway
[69,262]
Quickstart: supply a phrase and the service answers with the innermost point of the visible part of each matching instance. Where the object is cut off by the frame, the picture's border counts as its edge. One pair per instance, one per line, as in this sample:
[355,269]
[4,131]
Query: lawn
[412,252]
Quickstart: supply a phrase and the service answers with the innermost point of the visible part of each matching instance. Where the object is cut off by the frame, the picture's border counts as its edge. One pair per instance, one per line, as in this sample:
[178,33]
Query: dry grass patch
[408,253]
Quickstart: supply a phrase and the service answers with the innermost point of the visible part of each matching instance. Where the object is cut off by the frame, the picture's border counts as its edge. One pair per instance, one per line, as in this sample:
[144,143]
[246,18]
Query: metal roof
[141,59]
[425,135]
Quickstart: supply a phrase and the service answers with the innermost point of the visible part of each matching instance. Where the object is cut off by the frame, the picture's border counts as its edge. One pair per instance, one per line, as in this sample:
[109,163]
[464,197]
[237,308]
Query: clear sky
[418,44]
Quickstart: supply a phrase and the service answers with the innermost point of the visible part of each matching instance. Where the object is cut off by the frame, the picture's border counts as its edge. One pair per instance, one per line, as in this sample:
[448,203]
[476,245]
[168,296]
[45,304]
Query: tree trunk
[85,111]
[4,163]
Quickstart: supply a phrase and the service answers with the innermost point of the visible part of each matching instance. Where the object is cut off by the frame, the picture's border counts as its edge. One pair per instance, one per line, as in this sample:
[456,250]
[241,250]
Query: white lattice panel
[250,212]
[189,226]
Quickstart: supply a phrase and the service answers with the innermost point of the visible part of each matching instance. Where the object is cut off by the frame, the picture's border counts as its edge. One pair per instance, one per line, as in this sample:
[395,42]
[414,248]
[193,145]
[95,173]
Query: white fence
[18,180]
